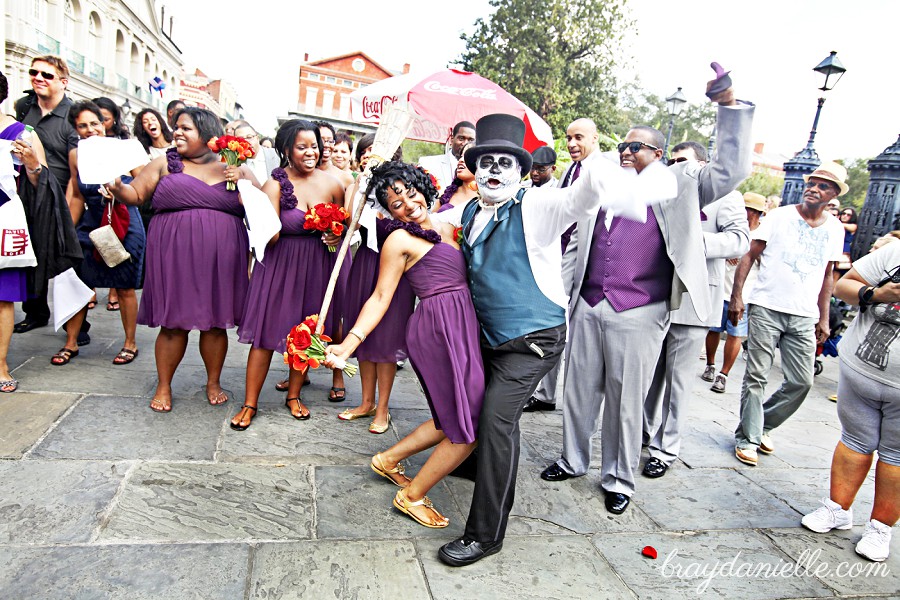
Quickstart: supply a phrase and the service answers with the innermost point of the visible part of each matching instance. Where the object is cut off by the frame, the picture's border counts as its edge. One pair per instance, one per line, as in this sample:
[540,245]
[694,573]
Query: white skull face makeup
[497,176]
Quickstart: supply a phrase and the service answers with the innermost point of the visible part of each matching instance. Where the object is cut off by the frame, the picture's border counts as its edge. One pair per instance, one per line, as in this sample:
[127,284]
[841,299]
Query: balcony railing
[96,71]
[122,84]
[74,59]
[47,44]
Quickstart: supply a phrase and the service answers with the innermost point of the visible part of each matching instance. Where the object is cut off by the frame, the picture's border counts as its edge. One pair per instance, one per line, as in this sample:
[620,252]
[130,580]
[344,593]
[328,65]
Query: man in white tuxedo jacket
[443,166]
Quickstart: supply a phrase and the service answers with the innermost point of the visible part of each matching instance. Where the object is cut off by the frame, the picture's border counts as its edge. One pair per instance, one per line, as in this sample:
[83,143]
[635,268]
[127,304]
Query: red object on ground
[649,551]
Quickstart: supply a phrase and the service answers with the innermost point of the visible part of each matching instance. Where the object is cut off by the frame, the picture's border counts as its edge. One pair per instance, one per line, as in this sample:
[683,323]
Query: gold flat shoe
[386,473]
[373,428]
[403,504]
[347,415]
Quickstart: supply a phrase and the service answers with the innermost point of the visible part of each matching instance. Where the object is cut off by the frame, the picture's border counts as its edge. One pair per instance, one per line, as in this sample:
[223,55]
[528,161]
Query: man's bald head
[581,138]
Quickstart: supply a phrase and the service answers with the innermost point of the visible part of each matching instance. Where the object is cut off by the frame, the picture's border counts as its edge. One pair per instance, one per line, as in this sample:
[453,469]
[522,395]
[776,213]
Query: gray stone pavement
[103,498]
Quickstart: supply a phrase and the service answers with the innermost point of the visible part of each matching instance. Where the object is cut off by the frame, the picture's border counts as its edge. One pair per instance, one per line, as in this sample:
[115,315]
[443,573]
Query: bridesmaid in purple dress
[197,251]
[289,284]
[442,336]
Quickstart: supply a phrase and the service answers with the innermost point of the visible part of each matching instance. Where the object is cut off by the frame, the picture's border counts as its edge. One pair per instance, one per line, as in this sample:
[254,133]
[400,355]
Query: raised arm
[732,161]
[141,187]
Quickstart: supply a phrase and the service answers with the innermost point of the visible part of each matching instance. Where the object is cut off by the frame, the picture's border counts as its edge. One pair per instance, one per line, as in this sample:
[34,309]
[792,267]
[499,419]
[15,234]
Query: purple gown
[443,339]
[387,342]
[13,286]
[288,285]
[197,249]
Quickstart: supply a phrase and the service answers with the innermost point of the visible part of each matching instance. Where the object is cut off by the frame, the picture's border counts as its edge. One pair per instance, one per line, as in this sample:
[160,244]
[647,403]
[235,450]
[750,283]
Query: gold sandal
[386,473]
[347,415]
[403,504]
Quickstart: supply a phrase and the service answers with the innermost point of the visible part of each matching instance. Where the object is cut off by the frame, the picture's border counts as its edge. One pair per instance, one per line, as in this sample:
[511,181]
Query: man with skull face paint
[513,256]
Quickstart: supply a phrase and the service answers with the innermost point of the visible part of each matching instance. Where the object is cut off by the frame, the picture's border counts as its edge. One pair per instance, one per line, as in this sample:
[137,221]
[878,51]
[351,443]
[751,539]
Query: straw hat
[833,172]
[755,201]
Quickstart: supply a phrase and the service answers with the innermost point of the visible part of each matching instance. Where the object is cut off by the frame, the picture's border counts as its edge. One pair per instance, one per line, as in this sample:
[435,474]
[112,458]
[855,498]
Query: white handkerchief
[69,296]
[627,194]
[6,163]
[102,159]
[262,220]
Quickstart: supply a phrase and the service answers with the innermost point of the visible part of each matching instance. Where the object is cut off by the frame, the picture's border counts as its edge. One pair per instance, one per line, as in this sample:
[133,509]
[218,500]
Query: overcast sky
[770,46]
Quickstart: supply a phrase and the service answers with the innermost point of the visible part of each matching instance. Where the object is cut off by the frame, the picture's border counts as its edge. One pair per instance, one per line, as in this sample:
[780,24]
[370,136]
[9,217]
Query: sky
[770,46]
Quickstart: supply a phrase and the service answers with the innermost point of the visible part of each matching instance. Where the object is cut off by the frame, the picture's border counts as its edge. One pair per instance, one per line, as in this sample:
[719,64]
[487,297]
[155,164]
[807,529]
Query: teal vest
[508,302]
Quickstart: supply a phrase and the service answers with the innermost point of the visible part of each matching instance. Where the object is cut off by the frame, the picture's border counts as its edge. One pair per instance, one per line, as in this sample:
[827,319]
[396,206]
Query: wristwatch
[865,297]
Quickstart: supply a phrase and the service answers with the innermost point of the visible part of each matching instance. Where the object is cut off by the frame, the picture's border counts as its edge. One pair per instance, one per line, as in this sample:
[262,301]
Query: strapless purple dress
[197,250]
[443,340]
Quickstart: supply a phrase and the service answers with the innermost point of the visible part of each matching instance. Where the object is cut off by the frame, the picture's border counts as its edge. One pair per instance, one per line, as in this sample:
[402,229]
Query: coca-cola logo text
[375,107]
[468,92]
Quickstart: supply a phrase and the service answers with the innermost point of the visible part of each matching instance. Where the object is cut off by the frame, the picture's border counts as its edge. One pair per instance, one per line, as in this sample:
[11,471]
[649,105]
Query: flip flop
[63,357]
[333,394]
[237,426]
[161,410]
[125,356]
[112,306]
[287,403]
[282,386]
[92,305]
[12,384]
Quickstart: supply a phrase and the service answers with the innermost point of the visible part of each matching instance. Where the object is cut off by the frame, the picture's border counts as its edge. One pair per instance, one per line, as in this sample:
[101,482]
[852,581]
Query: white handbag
[16,248]
[108,244]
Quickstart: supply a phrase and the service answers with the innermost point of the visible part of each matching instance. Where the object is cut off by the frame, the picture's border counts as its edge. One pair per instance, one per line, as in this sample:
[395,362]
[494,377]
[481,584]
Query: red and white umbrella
[441,100]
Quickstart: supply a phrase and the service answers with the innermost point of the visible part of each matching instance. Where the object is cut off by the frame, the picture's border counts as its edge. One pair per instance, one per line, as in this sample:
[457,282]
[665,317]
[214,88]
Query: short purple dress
[443,339]
[387,342]
[197,250]
[289,284]
[13,285]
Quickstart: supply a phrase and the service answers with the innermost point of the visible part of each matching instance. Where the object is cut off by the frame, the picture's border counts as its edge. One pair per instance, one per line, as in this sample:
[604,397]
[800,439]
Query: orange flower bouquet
[233,150]
[306,350]
[326,217]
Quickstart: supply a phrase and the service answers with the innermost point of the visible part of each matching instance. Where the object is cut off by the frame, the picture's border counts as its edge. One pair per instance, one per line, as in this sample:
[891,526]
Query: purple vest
[628,265]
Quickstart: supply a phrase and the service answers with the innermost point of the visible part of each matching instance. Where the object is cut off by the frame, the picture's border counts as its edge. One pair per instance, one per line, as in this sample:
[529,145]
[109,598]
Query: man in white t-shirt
[797,247]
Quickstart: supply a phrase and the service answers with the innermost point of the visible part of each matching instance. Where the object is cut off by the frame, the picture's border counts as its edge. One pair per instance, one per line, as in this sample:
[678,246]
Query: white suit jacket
[442,166]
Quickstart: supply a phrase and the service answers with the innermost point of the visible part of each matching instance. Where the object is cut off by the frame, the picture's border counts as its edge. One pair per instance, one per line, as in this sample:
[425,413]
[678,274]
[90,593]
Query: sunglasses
[825,187]
[44,74]
[634,147]
[672,161]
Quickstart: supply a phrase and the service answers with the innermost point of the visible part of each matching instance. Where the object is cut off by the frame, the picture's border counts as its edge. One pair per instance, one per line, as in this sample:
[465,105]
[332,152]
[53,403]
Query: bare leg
[213,348]
[72,327]
[128,308]
[712,345]
[887,492]
[385,375]
[170,347]
[337,376]
[732,349]
[848,471]
[367,380]
[421,438]
[114,297]
[295,382]
[446,457]
[7,316]
[257,368]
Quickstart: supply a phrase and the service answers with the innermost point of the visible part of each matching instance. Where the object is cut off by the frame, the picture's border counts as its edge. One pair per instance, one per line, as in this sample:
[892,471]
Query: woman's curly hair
[385,174]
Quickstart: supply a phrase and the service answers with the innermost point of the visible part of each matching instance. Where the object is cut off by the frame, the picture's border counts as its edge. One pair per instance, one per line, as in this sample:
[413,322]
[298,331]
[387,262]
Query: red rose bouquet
[306,350]
[326,217]
[233,150]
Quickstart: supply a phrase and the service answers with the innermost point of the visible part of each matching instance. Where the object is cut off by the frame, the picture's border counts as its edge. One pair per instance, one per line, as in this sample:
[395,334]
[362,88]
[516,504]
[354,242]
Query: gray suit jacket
[726,234]
[679,217]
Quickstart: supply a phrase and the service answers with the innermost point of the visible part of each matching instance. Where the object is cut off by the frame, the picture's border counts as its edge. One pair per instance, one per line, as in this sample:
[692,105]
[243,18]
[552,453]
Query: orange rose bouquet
[233,151]
[326,217]
[306,350]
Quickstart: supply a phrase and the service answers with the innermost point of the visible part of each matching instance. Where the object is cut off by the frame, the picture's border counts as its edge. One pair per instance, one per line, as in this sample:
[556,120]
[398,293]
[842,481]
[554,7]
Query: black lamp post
[674,105]
[804,162]
[126,107]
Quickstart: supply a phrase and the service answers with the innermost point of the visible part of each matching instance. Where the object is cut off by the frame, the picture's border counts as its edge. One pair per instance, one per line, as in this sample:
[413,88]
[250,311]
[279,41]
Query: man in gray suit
[264,159]
[725,235]
[625,277]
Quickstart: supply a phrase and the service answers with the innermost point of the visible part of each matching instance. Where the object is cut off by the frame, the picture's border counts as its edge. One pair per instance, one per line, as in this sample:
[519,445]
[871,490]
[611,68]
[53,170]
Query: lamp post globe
[674,105]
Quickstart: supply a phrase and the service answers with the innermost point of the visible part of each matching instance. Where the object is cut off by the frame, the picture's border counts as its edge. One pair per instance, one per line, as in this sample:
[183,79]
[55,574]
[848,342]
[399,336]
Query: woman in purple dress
[289,284]
[442,336]
[197,251]
[13,285]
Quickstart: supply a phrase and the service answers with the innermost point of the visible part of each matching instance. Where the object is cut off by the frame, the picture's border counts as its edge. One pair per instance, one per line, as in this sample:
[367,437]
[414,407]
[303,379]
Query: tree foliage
[763,183]
[858,180]
[695,123]
[556,56]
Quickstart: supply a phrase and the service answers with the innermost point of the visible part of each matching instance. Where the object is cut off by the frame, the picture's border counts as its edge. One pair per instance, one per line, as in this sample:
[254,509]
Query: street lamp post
[806,161]
[674,105]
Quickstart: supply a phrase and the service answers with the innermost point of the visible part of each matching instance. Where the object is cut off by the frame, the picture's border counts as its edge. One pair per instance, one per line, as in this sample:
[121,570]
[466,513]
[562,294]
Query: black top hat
[499,133]
[545,155]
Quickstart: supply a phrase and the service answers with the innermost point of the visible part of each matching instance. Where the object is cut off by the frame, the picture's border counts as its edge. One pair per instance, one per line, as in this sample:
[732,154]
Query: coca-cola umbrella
[441,100]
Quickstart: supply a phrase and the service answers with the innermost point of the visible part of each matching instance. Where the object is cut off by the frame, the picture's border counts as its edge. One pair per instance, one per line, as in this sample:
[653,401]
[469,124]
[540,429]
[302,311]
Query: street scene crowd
[507,287]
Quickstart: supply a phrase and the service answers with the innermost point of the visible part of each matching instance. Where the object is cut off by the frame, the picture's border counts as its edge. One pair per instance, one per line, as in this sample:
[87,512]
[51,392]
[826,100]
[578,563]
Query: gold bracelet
[358,333]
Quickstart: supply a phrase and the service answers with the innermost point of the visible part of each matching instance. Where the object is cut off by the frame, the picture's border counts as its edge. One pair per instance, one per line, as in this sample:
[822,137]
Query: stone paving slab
[175,502]
[693,499]
[355,503]
[26,417]
[690,553]
[337,569]
[537,567]
[45,502]
[87,374]
[127,572]
[833,560]
[710,445]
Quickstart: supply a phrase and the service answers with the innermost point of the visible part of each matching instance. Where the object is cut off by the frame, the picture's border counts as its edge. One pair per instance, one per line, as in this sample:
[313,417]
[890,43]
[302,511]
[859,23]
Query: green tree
[695,123]
[556,56]
[858,180]
[763,183]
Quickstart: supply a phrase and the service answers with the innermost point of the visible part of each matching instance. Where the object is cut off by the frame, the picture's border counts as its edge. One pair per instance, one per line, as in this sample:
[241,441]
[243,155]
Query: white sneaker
[766,446]
[876,541]
[709,374]
[719,385]
[827,517]
[746,455]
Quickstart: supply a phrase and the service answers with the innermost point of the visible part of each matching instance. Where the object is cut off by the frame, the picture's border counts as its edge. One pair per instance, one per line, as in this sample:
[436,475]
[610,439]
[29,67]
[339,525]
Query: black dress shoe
[654,468]
[27,324]
[462,552]
[534,404]
[616,503]
[555,473]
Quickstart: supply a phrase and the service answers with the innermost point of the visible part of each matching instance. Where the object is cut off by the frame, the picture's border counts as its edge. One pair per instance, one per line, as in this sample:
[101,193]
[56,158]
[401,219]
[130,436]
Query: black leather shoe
[555,473]
[616,503]
[462,552]
[654,468]
[534,405]
[27,324]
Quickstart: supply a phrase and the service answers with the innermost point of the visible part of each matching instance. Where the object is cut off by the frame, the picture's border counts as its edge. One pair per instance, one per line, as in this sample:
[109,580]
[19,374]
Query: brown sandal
[237,426]
[125,356]
[302,417]
[63,356]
